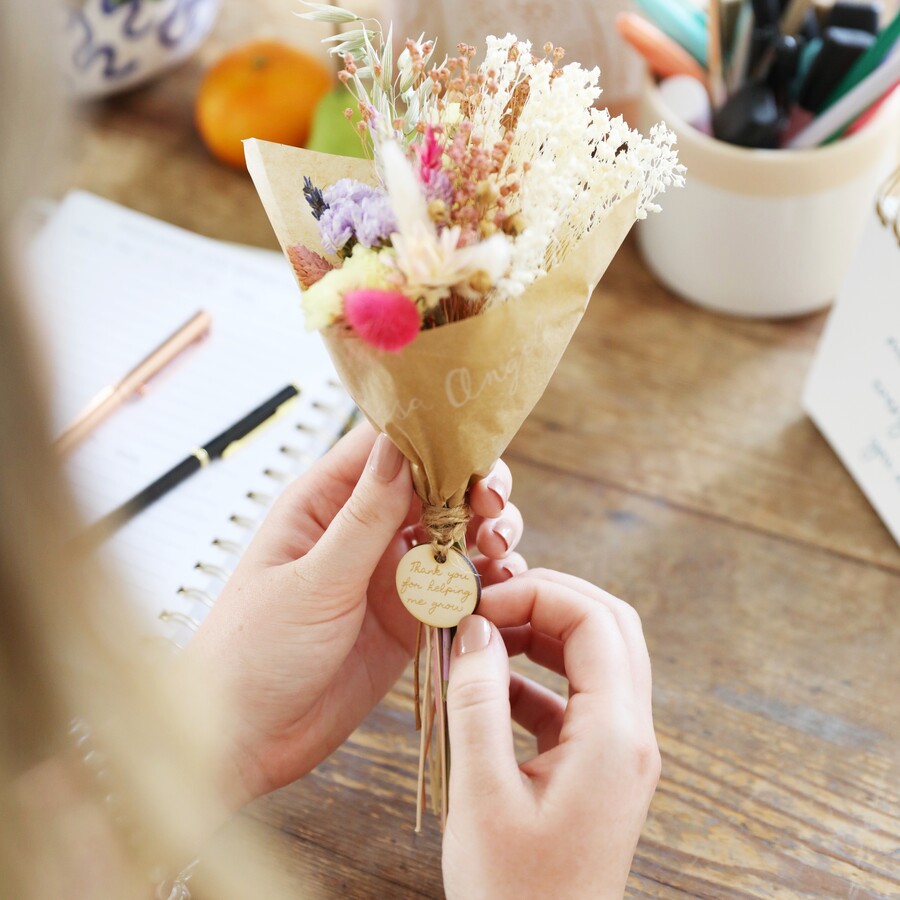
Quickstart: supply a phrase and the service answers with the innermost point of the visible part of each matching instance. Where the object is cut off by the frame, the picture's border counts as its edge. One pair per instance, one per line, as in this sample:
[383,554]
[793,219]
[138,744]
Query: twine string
[445,526]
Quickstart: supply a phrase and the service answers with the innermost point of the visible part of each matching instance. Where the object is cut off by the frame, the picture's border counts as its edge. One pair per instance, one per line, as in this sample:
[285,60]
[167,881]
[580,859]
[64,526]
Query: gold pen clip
[235,446]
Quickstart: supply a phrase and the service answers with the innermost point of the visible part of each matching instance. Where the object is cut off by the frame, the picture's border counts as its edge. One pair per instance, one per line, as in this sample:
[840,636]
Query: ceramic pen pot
[111,45]
[766,233]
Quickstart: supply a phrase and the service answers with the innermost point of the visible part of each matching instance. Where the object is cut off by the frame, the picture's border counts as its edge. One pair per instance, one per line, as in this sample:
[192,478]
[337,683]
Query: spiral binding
[243,521]
[330,412]
[226,546]
[218,572]
[298,453]
[204,597]
[169,615]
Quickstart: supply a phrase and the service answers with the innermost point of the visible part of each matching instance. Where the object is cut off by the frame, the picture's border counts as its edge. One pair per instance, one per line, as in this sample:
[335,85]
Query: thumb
[360,533]
[481,744]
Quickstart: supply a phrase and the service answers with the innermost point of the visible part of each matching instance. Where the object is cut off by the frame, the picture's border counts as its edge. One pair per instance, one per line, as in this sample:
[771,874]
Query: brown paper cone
[453,399]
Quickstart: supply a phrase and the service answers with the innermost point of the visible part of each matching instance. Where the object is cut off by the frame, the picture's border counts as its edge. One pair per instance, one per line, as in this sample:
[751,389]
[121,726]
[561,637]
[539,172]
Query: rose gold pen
[114,395]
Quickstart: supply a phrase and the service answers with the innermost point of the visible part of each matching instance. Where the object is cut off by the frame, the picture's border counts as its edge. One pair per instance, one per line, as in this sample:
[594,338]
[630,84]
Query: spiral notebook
[112,283]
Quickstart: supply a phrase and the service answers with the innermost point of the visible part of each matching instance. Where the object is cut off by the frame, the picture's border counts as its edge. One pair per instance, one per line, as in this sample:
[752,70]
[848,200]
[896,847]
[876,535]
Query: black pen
[198,458]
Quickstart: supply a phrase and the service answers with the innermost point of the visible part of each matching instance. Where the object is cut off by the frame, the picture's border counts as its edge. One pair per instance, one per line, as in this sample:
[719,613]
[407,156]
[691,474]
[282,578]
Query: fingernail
[504,531]
[385,458]
[473,634]
[498,489]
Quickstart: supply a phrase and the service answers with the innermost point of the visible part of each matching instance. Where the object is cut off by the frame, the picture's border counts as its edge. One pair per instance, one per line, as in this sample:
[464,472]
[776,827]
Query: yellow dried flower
[323,303]
[514,224]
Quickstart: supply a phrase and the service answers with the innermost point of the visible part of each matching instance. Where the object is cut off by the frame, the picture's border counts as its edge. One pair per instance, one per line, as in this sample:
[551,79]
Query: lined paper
[113,284]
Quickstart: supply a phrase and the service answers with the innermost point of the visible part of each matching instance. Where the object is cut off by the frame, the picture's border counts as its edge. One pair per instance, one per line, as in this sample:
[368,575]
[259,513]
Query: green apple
[331,130]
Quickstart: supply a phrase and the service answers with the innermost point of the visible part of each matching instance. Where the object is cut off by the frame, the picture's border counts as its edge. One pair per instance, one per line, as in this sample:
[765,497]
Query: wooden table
[670,462]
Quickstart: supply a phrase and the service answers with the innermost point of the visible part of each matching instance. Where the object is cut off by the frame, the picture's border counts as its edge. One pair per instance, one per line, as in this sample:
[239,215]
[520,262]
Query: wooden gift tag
[438,594]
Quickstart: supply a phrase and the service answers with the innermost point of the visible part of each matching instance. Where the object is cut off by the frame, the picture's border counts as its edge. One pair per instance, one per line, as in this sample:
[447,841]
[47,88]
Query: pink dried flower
[429,170]
[309,267]
[429,153]
[387,320]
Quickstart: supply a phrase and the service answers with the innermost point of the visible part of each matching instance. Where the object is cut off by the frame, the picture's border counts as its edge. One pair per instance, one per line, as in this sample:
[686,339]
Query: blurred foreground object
[111,45]
[264,89]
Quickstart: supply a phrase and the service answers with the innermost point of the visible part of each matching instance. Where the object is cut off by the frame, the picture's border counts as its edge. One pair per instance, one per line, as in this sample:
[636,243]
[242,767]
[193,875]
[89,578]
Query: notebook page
[112,285]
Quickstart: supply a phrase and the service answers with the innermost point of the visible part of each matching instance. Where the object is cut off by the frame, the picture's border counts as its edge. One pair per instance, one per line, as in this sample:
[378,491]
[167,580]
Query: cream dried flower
[572,162]
[430,261]
[323,302]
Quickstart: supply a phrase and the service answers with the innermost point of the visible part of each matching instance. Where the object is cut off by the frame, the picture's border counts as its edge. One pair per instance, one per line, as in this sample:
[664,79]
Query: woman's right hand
[566,823]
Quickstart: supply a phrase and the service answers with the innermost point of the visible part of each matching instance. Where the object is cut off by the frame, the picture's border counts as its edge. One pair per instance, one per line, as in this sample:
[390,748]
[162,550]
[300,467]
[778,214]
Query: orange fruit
[264,89]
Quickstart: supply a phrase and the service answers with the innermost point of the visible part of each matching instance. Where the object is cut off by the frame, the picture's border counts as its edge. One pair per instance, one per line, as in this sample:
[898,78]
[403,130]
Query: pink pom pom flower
[387,320]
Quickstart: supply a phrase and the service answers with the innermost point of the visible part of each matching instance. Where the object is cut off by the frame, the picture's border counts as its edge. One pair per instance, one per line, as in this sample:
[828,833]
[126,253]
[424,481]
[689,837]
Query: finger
[539,648]
[498,537]
[479,717]
[537,709]
[346,555]
[488,496]
[629,624]
[414,515]
[381,594]
[313,497]
[594,652]
[493,571]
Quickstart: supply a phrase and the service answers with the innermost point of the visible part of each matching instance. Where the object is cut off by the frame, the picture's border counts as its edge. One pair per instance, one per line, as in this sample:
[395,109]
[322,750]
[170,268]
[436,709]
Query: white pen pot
[764,233]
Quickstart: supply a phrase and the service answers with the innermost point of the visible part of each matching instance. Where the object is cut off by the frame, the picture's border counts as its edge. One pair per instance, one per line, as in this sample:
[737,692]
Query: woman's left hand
[309,634]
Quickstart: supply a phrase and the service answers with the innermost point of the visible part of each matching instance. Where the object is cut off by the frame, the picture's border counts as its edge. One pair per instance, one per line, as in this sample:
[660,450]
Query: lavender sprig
[314,198]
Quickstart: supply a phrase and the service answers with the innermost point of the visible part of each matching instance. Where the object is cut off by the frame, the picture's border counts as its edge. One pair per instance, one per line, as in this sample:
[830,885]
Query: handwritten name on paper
[405,410]
[881,449]
[462,385]
[853,389]
[462,388]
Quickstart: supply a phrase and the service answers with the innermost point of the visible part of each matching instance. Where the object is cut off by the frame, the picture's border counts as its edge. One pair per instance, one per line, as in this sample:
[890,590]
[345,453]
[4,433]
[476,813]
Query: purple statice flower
[356,213]
[376,221]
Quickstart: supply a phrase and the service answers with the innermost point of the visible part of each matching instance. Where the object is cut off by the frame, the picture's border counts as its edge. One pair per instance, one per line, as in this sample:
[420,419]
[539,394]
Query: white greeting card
[853,390]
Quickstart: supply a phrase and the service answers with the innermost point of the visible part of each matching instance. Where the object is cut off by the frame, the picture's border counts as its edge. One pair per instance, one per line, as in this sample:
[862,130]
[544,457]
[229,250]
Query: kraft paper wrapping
[453,399]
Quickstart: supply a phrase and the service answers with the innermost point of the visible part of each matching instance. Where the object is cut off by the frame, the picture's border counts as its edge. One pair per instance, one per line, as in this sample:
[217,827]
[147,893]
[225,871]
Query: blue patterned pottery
[111,45]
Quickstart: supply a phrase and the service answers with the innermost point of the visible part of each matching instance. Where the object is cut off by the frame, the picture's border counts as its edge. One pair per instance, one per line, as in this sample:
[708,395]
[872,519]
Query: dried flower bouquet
[448,273]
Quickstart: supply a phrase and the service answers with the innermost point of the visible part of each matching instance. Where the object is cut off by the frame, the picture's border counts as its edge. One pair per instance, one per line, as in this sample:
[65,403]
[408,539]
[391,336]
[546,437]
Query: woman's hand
[565,823]
[309,633]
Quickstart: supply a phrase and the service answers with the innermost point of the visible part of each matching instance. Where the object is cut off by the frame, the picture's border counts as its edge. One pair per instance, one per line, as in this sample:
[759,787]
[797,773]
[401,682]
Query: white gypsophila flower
[431,262]
[580,161]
